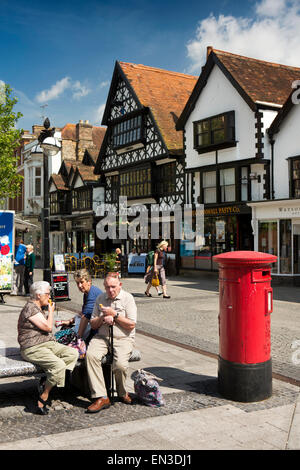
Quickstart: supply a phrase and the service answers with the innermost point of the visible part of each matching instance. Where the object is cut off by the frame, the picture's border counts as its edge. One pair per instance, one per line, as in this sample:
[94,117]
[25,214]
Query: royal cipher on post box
[245,303]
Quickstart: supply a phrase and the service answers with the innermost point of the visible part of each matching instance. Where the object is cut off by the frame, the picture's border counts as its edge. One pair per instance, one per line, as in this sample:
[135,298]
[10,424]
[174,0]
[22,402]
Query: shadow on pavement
[182,380]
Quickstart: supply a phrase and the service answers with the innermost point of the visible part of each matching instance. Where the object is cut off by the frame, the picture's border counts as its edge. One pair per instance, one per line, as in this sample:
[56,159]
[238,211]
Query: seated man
[115,307]
[90,293]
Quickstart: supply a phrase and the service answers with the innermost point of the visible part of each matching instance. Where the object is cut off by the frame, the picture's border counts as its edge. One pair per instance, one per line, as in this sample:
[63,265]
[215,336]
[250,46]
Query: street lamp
[51,146]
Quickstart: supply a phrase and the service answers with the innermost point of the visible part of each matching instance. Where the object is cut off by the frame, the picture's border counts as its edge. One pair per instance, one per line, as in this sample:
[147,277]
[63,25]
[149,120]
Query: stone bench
[13,365]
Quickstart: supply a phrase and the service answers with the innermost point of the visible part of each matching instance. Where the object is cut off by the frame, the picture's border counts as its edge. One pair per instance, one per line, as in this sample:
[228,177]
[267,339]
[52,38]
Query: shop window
[227,184]
[267,239]
[209,187]
[215,132]
[285,245]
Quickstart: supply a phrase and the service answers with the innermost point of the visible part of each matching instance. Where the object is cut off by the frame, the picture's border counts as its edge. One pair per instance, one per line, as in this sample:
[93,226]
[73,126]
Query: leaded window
[166,179]
[227,184]
[81,199]
[296,178]
[214,132]
[127,132]
[135,184]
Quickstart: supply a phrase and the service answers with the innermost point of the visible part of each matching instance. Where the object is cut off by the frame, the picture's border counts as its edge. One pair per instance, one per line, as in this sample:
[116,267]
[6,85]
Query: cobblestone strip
[71,415]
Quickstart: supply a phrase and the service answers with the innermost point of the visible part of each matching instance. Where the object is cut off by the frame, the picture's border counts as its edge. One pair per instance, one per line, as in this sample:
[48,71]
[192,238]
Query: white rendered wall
[217,97]
[287,144]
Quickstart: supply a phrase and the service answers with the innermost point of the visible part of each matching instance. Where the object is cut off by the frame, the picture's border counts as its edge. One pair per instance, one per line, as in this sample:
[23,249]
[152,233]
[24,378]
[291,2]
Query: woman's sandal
[147,294]
[42,410]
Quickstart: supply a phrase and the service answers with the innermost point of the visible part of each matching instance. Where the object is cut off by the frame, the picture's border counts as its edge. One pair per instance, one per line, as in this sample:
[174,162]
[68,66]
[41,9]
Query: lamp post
[51,146]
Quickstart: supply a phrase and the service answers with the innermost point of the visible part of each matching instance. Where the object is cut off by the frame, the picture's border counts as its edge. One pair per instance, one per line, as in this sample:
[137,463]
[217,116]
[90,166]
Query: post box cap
[245,257]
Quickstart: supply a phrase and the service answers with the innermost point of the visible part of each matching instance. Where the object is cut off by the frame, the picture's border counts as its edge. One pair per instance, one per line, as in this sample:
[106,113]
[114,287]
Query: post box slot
[261,275]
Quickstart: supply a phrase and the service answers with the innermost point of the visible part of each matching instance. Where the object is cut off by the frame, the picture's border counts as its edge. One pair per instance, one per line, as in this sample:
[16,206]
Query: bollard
[245,305]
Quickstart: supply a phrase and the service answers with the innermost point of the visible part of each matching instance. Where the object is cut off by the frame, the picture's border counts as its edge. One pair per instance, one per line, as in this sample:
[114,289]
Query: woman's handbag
[155,280]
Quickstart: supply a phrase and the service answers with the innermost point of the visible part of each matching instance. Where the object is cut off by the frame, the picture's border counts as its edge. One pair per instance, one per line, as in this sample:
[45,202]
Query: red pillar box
[246,302]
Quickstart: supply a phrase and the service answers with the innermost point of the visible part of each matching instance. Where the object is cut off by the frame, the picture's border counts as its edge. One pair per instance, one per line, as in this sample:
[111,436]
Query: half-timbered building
[142,154]
[73,189]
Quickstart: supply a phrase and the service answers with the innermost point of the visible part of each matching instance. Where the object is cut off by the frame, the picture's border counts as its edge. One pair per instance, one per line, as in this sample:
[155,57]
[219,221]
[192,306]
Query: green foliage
[10,138]
[110,261]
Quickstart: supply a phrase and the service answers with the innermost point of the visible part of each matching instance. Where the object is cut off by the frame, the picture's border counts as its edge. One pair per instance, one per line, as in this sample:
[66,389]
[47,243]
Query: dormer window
[216,132]
[128,134]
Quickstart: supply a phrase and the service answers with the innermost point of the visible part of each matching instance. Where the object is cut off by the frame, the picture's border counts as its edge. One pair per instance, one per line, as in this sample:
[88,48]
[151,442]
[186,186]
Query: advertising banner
[6,250]
[137,264]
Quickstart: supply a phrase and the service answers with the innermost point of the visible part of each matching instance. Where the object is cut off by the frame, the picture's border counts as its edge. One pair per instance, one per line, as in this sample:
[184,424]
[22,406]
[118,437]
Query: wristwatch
[116,316]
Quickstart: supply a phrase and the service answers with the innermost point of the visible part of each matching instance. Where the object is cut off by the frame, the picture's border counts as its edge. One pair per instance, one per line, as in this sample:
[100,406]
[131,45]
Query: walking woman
[158,268]
[29,267]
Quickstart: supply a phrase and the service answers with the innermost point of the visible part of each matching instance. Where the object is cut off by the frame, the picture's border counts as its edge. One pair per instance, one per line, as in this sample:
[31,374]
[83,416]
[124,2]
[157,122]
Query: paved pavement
[195,415]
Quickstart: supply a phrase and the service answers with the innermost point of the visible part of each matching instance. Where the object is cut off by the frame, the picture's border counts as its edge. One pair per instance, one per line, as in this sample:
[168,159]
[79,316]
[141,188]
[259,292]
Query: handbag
[155,280]
[147,389]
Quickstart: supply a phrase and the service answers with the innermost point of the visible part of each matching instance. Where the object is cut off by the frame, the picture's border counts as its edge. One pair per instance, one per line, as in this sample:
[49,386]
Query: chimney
[36,129]
[84,138]
[209,49]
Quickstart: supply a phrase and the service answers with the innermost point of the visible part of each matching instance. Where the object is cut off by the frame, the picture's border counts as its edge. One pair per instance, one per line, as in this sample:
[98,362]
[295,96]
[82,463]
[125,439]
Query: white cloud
[273,34]
[79,90]
[55,91]
[98,114]
[104,84]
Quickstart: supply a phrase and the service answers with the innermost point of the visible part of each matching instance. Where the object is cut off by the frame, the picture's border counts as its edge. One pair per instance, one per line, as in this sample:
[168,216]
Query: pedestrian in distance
[149,274]
[29,268]
[19,267]
[38,345]
[114,307]
[158,269]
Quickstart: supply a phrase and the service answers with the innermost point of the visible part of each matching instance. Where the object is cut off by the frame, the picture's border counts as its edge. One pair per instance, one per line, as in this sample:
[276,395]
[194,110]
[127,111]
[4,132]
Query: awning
[23,224]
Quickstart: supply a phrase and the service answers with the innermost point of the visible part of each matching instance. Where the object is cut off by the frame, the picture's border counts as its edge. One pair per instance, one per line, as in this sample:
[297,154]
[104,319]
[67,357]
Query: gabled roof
[164,92]
[284,111]
[86,172]
[58,182]
[257,81]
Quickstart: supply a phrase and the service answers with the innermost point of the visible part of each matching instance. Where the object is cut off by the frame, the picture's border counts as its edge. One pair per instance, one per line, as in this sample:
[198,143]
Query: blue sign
[6,250]
[137,264]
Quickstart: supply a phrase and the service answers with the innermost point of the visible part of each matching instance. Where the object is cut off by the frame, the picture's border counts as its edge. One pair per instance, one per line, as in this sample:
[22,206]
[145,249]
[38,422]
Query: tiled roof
[98,136]
[87,172]
[59,182]
[165,93]
[68,132]
[257,81]
[262,81]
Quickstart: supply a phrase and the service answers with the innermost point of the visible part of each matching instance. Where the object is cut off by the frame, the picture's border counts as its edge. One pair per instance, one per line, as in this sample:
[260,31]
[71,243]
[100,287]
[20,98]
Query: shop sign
[288,212]
[226,210]
[82,224]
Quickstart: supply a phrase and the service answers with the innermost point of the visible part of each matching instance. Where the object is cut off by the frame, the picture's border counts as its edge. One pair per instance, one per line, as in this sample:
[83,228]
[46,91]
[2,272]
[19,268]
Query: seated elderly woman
[38,345]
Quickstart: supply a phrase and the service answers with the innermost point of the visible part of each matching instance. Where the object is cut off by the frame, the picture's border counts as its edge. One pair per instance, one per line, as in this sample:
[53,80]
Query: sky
[59,56]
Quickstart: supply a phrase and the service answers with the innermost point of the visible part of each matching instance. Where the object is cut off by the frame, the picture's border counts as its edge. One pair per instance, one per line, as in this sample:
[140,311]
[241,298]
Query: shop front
[80,235]
[226,228]
[276,226]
